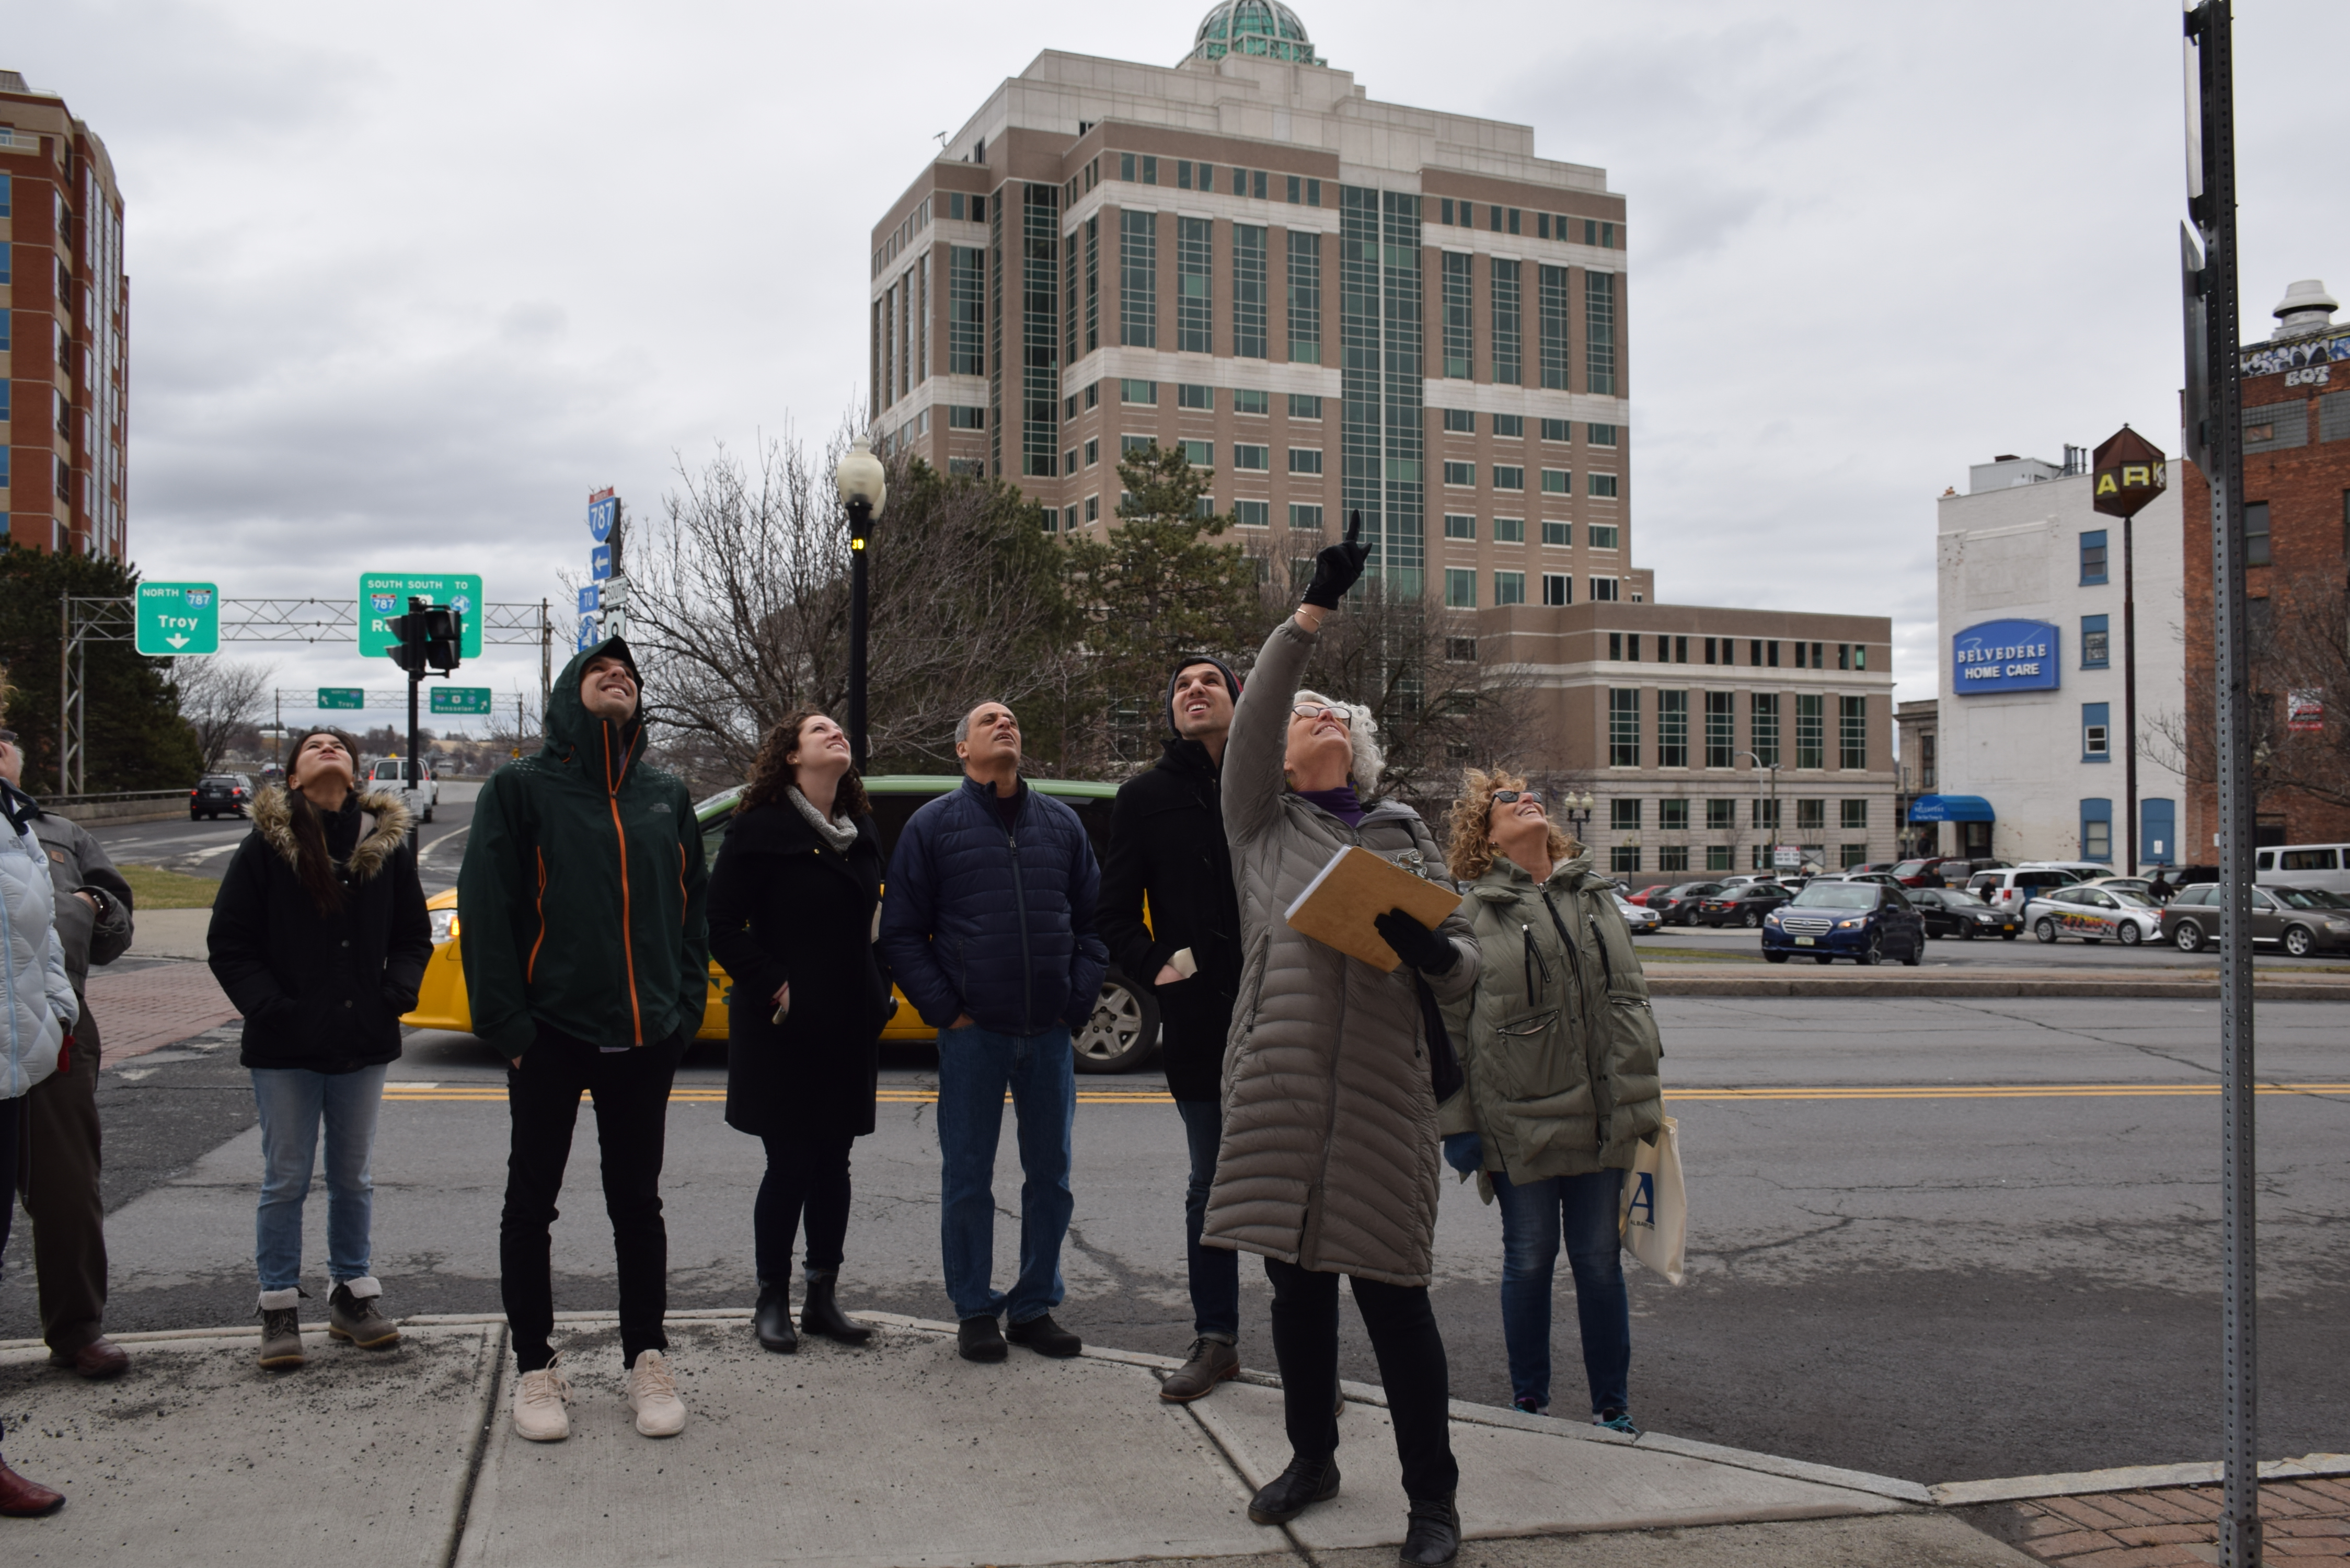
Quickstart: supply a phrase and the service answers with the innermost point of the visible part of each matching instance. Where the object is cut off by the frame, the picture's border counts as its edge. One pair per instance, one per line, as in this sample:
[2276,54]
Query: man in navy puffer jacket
[988,924]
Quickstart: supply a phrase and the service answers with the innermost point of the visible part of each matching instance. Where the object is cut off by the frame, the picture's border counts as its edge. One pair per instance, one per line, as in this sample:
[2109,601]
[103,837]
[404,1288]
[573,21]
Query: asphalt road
[203,849]
[2025,952]
[1993,1252]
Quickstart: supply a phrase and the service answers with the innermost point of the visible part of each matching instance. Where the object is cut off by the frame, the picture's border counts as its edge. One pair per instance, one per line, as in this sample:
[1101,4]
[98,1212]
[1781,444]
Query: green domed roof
[1265,28]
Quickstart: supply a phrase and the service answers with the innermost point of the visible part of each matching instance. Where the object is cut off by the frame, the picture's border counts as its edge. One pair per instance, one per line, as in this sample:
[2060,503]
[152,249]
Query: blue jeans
[975,1067]
[294,1101]
[1534,1215]
[1215,1270]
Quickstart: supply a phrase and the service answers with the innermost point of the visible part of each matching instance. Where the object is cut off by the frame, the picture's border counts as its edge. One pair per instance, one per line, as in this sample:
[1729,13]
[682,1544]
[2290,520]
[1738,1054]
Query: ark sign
[2005,656]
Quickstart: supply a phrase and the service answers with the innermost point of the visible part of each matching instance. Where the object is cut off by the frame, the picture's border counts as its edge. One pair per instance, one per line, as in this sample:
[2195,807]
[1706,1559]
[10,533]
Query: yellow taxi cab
[1121,1036]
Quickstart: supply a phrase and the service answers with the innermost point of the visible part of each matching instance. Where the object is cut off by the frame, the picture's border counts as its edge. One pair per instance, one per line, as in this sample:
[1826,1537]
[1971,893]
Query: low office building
[2031,743]
[1918,725]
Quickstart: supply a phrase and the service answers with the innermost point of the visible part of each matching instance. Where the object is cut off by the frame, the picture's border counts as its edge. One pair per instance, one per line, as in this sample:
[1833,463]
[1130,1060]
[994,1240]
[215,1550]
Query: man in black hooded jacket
[1167,846]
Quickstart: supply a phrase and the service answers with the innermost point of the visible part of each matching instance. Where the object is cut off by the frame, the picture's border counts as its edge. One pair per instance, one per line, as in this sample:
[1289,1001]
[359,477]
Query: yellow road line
[491,1093]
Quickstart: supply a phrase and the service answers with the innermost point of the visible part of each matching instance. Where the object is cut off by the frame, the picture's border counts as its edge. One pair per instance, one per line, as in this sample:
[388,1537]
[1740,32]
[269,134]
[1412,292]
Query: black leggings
[1411,1353]
[807,1176]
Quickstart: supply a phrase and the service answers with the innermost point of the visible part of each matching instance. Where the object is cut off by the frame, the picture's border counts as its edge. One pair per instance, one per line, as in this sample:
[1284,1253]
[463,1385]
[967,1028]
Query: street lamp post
[864,486]
[1577,809]
[1766,773]
[2129,475]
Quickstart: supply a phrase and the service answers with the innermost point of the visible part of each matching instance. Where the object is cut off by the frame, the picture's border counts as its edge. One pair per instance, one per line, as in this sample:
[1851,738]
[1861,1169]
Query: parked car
[218,793]
[391,772]
[2013,888]
[1925,873]
[1673,904]
[1866,922]
[1949,912]
[2301,920]
[1641,897]
[2326,866]
[2082,871]
[1120,1037]
[2178,876]
[2093,915]
[2144,886]
[1860,873]
[1874,865]
[1642,920]
[1741,906]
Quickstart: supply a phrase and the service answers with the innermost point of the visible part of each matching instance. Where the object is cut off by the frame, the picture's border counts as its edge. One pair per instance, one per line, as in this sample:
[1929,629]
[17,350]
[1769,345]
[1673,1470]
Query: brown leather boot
[22,1499]
[1212,1362]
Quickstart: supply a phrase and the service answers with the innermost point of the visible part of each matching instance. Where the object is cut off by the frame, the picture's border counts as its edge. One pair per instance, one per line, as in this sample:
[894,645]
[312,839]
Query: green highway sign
[341,697]
[460,699]
[383,594]
[176,618]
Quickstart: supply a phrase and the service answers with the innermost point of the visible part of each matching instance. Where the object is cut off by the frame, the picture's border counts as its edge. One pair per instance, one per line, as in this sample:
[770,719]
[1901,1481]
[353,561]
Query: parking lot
[1701,942]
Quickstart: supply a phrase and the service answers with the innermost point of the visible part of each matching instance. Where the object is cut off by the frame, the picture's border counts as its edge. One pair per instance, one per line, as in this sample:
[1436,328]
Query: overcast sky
[408,282]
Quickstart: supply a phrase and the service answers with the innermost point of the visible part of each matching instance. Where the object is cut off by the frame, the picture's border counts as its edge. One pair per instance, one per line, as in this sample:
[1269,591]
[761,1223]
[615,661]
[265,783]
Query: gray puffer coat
[1329,1152]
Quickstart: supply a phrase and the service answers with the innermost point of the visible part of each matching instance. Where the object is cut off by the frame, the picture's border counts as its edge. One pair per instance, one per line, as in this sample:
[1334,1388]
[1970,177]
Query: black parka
[322,992]
[1167,846]
[787,906]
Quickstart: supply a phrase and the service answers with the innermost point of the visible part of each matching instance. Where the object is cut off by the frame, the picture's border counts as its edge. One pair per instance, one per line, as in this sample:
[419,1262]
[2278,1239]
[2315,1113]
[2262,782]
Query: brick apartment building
[64,319]
[2297,537]
[1336,304]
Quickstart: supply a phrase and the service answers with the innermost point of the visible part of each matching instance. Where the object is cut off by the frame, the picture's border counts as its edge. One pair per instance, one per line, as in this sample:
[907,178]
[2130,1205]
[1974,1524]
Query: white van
[391,773]
[2010,890]
[2326,866]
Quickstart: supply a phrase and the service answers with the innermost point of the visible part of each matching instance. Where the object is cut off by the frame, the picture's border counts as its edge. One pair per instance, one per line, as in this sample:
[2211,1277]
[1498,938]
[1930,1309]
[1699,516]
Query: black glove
[1337,566]
[1414,943]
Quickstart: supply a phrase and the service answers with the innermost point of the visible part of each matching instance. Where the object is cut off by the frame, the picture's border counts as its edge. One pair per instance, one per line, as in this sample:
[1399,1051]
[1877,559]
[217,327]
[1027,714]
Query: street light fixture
[864,486]
[1578,810]
[1766,772]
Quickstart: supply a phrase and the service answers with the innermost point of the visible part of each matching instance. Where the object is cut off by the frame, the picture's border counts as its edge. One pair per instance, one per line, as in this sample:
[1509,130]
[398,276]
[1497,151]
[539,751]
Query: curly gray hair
[1363,735]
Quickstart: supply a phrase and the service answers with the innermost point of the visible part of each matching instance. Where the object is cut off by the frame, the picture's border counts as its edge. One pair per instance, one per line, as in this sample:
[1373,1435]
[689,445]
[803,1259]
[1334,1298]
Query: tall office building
[64,316]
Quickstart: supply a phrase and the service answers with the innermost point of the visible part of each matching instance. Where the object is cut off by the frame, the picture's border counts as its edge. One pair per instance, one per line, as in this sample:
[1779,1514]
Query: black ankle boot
[1304,1483]
[771,1320]
[1432,1536]
[822,1315]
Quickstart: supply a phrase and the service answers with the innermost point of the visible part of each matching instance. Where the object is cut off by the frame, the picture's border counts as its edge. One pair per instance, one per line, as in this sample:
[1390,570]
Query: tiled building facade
[64,320]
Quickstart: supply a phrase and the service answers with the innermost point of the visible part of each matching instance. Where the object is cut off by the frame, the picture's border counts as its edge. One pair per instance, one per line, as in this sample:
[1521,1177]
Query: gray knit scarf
[840,834]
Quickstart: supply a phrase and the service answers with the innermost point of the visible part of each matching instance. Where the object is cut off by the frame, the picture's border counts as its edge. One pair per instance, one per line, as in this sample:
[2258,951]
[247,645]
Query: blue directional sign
[603,511]
[2005,656]
[590,598]
[586,634]
[599,562]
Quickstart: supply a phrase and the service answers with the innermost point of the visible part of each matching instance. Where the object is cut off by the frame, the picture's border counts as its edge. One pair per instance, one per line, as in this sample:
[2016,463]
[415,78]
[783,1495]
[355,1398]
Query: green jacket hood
[574,735]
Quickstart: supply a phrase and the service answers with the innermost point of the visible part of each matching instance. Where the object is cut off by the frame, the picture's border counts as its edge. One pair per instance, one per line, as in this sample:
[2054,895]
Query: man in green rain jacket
[587,964]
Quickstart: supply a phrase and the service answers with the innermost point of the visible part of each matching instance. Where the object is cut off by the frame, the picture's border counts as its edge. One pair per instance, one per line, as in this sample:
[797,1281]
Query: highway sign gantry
[342,697]
[178,619]
[383,594]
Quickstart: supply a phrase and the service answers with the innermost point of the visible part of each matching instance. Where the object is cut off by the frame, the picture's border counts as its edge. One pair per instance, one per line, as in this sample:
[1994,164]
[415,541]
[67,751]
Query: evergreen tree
[134,735]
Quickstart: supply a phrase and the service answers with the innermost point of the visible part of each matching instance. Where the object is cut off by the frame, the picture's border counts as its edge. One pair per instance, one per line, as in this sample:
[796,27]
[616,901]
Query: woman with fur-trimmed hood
[320,938]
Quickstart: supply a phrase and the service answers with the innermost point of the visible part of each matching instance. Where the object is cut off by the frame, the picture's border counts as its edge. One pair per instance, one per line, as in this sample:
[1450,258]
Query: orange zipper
[619,834]
[530,970]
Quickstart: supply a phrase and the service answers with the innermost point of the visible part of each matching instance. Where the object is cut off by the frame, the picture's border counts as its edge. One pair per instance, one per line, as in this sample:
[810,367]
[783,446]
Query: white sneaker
[538,1405]
[653,1395]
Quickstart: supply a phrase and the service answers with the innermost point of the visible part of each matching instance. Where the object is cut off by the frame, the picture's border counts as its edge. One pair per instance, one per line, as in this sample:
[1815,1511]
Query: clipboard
[1337,907]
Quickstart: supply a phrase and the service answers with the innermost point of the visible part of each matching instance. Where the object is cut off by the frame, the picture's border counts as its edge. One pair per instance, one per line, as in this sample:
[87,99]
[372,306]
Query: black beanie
[1231,682]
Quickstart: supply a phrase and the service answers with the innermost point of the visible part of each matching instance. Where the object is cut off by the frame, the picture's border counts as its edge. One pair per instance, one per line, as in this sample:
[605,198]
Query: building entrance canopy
[1950,809]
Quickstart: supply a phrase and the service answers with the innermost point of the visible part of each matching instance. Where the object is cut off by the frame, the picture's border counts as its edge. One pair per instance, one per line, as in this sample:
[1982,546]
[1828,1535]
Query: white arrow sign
[176,640]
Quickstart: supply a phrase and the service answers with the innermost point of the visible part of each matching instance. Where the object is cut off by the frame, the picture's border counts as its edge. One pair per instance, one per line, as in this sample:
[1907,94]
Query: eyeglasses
[1323,711]
[1512,796]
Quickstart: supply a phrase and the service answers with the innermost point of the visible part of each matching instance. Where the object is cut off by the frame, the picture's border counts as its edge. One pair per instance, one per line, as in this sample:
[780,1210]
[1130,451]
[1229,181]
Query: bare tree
[2298,653]
[221,699]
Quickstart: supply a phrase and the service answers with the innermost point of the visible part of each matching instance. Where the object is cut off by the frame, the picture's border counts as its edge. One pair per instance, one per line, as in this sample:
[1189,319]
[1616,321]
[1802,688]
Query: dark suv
[1866,922]
[218,793]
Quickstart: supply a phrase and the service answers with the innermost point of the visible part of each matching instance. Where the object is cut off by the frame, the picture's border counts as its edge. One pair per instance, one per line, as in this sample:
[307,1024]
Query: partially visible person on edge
[1329,1162]
[319,937]
[61,1198]
[988,925]
[1560,1054]
[39,998]
[792,904]
[588,964]
[1167,849]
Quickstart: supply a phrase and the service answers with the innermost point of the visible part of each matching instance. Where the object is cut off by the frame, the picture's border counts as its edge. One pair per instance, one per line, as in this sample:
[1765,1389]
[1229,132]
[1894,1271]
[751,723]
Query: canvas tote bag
[1656,1205]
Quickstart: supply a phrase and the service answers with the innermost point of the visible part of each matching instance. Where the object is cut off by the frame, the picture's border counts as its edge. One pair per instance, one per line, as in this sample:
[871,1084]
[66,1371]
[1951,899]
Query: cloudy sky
[408,282]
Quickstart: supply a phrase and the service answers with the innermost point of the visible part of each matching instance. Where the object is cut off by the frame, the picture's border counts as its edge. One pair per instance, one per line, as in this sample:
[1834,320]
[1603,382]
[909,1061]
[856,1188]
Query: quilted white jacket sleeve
[39,1003]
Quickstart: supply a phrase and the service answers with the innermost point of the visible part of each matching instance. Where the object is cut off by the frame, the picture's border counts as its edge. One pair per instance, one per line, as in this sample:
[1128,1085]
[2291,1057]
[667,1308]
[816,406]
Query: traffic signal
[407,648]
[428,637]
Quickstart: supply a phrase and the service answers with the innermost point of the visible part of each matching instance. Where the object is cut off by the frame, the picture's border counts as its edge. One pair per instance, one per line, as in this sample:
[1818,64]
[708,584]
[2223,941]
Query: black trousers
[630,1090]
[62,1198]
[805,1175]
[1412,1368]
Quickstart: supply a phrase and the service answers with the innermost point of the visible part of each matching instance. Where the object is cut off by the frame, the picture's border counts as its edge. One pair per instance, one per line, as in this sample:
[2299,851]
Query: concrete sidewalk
[900,1453]
[1699,977]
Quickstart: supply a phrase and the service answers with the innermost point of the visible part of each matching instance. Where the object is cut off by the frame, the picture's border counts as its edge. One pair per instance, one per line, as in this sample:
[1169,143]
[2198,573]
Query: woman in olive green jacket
[1560,1052]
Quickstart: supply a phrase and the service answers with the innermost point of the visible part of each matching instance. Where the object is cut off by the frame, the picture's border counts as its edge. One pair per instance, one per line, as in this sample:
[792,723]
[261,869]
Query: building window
[2094,642]
[1558,429]
[1558,588]
[2096,733]
[1459,588]
[1623,858]
[1599,535]
[1463,473]
[1624,816]
[1506,478]
[1602,435]
[1199,453]
[1134,444]
[1304,299]
[1509,587]
[966,417]
[1603,484]
[1512,425]
[1599,334]
[1252,401]
[1305,459]
[1194,274]
[1305,406]
[1557,481]
[1304,518]
[1672,856]
[1190,395]
[2093,556]
[1811,730]
[1509,530]
[1040,334]
[1252,458]
[1458,526]
[1460,650]
[1508,345]
[1854,814]
[1093,453]
[1457,317]
[966,311]
[1146,393]
[1721,729]
[1721,816]
[1852,731]
[1137,279]
[1459,421]
[1623,728]
[1093,282]
[1557,533]
[2098,830]
[1551,311]
[1766,814]
[1246,291]
[1720,857]
[1926,760]
[1672,814]
[1811,817]
[1851,855]
[2256,534]
[1603,590]
[1672,729]
[1253,514]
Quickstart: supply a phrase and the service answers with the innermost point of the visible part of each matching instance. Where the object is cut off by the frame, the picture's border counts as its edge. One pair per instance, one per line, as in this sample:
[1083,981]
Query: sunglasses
[7,737]
[1512,796]
[1322,710]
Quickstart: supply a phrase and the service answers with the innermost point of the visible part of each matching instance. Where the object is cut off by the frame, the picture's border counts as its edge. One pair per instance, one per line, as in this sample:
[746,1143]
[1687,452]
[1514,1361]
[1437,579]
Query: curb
[1666,984]
[2129,1478]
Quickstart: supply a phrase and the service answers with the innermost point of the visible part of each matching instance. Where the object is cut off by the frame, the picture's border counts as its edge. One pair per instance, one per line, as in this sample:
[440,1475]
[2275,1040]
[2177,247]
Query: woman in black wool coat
[792,904]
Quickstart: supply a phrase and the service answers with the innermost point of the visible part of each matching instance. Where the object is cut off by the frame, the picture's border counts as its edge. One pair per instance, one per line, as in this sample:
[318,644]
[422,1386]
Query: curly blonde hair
[1470,853]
